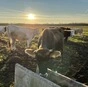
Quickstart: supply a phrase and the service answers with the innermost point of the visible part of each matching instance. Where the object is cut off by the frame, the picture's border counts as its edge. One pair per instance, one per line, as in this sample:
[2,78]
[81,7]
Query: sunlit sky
[45,11]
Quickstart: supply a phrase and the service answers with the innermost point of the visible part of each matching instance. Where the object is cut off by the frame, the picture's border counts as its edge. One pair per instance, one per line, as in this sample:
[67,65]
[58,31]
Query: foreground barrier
[62,80]
[27,78]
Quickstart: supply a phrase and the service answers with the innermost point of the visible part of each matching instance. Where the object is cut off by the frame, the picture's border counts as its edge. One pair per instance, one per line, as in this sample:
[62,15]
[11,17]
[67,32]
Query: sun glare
[31,16]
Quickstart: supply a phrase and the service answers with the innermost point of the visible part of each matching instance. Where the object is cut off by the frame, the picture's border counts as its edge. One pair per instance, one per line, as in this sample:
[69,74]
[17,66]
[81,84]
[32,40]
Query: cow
[79,31]
[68,32]
[18,33]
[50,46]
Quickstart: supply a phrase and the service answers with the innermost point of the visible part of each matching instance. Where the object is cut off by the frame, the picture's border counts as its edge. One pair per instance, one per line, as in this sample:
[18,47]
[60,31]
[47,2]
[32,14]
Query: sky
[45,11]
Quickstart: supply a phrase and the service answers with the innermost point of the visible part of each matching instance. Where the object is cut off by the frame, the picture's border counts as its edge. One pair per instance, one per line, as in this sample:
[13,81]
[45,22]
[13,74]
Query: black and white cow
[67,32]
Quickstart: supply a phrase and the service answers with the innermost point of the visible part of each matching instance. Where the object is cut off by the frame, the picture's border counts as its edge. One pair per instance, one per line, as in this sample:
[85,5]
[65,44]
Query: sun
[31,16]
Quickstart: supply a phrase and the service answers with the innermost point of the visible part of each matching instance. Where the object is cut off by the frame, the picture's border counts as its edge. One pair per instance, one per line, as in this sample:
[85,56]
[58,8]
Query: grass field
[74,62]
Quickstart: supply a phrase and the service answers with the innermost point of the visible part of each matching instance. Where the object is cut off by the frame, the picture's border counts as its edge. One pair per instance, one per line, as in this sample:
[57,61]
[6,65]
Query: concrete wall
[62,80]
[27,78]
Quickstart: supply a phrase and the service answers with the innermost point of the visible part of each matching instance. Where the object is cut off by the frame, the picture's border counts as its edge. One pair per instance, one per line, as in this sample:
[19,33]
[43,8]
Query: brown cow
[50,45]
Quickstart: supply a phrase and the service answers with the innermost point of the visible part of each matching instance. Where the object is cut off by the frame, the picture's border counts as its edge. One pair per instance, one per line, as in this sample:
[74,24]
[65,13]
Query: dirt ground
[74,62]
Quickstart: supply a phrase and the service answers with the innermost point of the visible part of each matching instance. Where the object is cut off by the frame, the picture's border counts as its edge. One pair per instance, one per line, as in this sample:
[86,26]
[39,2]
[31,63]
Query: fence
[62,80]
[27,78]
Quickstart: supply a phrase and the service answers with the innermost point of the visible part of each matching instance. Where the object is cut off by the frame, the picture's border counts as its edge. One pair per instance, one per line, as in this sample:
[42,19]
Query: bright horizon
[44,11]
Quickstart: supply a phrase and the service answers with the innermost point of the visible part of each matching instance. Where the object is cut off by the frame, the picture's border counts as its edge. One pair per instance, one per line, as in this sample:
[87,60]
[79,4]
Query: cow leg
[12,44]
[28,43]
[37,69]
[66,38]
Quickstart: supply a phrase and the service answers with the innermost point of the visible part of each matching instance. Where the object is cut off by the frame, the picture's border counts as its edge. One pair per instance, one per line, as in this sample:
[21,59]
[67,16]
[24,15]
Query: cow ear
[30,52]
[55,54]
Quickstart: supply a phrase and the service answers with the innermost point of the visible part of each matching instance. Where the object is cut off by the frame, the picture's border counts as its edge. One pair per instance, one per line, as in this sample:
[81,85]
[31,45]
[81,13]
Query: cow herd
[50,42]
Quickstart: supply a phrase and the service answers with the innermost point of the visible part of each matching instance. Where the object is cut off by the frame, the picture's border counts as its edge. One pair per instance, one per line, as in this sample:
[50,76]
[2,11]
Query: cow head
[3,30]
[43,54]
